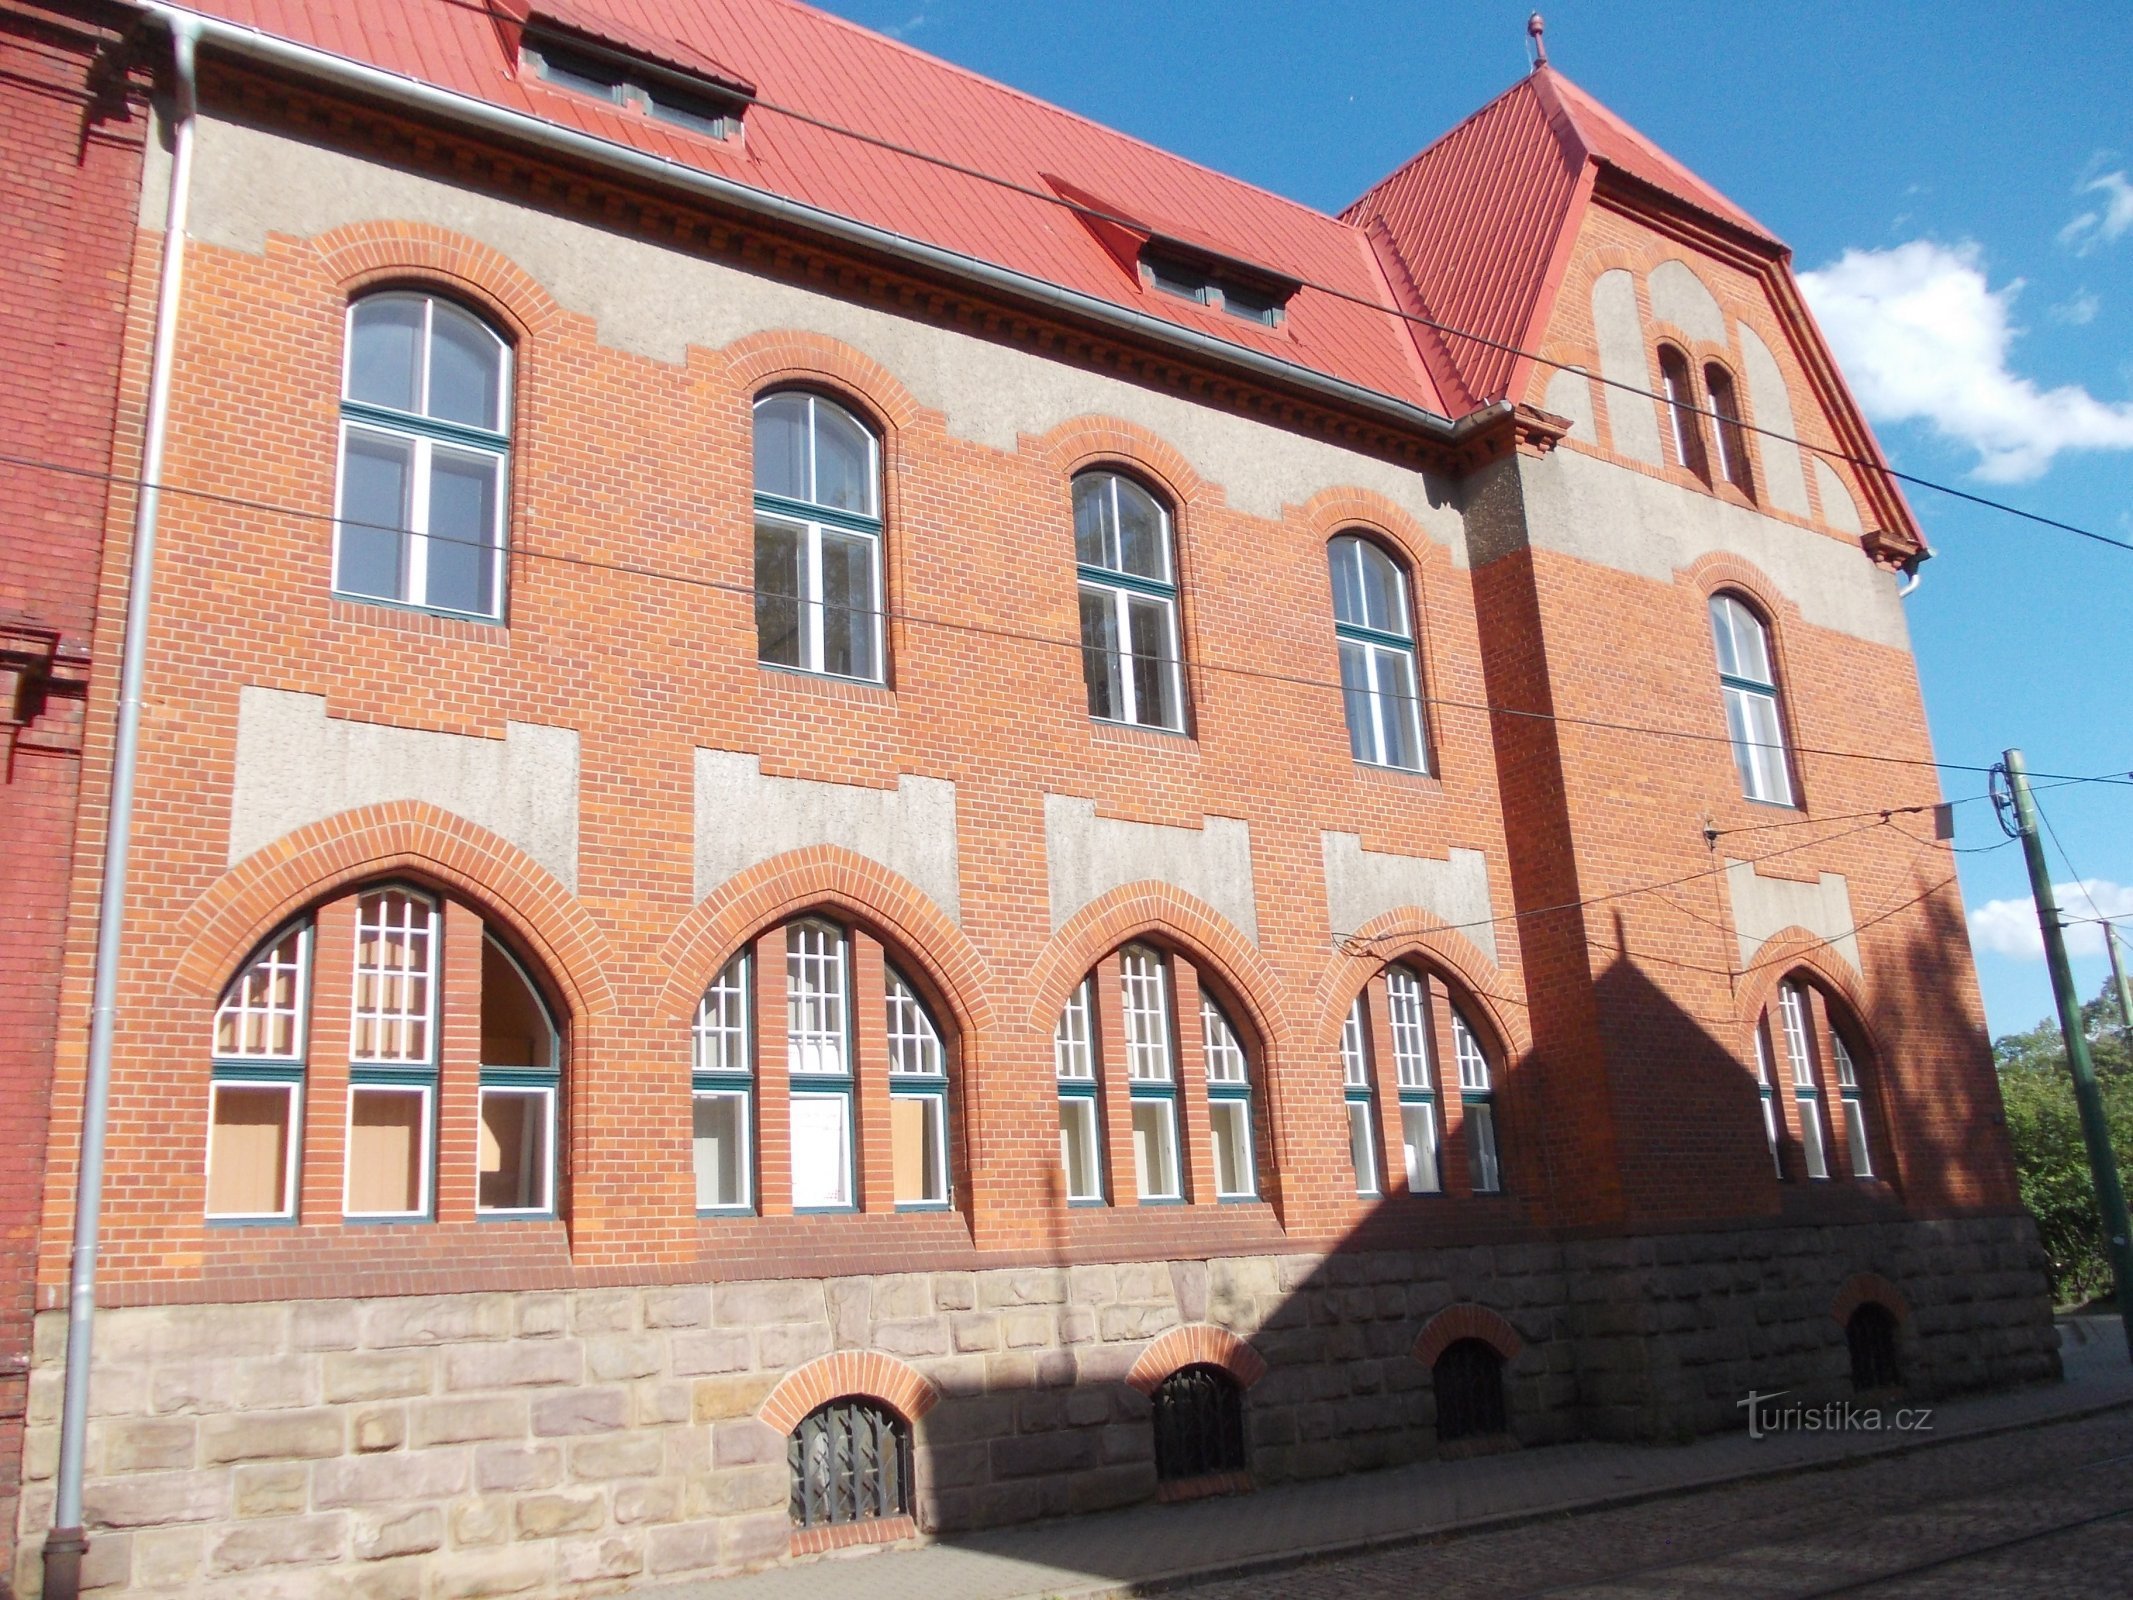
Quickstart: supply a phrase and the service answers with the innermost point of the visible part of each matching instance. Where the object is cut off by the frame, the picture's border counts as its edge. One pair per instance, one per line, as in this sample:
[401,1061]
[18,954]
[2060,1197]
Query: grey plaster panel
[1678,296]
[1619,329]
[1783,481]
[744,818]
[1839,510]
[1597,511]
[1362,885]
[657,302]
[296,765]
[1088,856]
[1570,395]
[1761,906]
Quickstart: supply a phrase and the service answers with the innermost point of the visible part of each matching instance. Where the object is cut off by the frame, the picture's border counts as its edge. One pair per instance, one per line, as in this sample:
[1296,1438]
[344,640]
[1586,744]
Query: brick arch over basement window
[896,1384]
[403,837]
[1466,1321]
[1868,1288]
[1197,1344]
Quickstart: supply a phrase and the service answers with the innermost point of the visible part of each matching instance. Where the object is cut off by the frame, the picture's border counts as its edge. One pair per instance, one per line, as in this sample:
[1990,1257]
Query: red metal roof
[1464,233]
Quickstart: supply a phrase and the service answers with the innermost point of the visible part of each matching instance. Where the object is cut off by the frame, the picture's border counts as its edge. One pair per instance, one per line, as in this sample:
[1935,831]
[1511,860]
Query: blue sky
[1956,179]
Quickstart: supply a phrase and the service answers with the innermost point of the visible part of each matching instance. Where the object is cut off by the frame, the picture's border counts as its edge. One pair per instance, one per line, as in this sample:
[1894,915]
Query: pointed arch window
[521,1071]
[1150,1072]
[392,1059]
[818,531]
[1407,1002]
[819,1062]
[425,456]
[722,1092]
[1685,424]
[1229,1104]
[1477,1095]
[1748,681]
[1361,1106]
[1793,1011]
[1380,679]
[918,1100]
[1130,651]
[1732,438]
[1074,1063]
[1856,1144]
[256,1085]
[1766,1091]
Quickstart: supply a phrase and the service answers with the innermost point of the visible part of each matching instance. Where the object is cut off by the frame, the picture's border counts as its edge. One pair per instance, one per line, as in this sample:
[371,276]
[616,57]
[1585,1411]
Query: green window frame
[1125,563]
[722,1132]
[1373,626]
[818,539]
[1415,1067]
[1359,1101]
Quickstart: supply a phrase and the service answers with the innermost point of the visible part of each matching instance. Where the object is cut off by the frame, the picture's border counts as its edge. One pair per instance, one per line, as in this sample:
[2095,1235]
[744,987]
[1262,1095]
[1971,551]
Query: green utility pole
[2095,1131]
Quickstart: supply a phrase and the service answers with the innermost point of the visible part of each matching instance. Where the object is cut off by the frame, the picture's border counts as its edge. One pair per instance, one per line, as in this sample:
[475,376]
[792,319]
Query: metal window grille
[395,978]
[1199,1424]
[1871,1337]
[850,1461]
[1468,1378]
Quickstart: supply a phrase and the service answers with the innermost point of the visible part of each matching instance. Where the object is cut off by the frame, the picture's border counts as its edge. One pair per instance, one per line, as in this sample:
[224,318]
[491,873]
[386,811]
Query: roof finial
[1535,29]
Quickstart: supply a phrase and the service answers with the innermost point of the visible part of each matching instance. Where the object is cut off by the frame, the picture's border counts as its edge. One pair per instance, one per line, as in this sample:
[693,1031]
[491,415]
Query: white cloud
[1923,337]
[2076,310]
[2103,224]
[2009,927]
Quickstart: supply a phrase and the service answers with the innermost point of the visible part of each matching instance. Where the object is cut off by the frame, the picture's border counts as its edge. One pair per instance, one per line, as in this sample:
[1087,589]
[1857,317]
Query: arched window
[850,1462]
[723,1092]
[1748,680]
[1074,1060]
[1804,1027]
[1229,1104]
[1477,1096]
[394,1037]
[256,1088]
[1468,1379]
[918,1100]
[1424,1034]
[1129,603]
[1870,1339]
[1199,1425]
[425,456]
[1766,1091]
[1150,1072]
[1379,679]
[1794,1012]
[819,1065]
[1361,1103]
[818,566]
[1414,1063]
[1686,426]
[1732,439]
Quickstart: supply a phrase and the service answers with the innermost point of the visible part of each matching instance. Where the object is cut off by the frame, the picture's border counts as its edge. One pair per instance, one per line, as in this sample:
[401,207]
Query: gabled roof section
[1482,220]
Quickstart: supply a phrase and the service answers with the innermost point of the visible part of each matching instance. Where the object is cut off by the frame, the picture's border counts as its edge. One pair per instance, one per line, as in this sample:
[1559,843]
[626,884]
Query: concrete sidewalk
[1149,1547]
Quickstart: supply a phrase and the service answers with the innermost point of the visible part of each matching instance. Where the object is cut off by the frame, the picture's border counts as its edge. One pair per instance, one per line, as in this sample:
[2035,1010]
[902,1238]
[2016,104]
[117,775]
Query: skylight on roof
[1213,284]
[653,90]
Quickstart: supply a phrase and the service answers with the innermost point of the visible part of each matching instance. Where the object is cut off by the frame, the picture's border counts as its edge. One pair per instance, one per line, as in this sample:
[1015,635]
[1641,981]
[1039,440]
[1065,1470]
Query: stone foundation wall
[558,1443]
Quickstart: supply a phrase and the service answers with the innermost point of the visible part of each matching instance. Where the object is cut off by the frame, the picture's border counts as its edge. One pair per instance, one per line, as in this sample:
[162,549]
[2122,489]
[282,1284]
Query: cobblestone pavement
[2045,1511]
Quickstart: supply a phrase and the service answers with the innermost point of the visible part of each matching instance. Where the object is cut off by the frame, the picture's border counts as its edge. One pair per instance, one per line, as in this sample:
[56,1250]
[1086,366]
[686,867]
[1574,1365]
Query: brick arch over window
[1345,509]
[363,256]
[1466,1321]
[1197,1344]
[829,879]
[1168,915]
[1863,1288]
[1093,443]
[795,358]
[403,837]
[1409,933]
[896,1384]
[1797,952]
[1716,571]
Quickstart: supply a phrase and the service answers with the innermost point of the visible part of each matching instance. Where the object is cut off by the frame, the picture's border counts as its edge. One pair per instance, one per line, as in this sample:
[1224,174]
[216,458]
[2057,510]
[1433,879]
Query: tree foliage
[2045,1129]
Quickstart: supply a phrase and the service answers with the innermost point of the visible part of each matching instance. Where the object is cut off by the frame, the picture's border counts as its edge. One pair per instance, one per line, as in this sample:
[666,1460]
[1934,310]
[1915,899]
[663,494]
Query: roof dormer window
[685,99]
[1211,283]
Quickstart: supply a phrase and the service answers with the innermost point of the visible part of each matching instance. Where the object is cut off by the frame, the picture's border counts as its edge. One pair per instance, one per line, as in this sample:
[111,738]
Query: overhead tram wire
[1450,330]
[749,592]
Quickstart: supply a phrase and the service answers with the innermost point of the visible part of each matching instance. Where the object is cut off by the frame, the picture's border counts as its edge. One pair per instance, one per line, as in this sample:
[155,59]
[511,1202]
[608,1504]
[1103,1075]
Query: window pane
[1723,608]
[1099,654]
[1230,1124]
[1155,1156]
[249,1141]
[1473,1062]
[1154,667]
[395,943]
[722,1022]
[1356,701]
[781,447]
[1418,1136]
[1481,1147]
[385,340]
[514,1150]
[1095,529]
[844,461]
[821,1150]
[1811,1141]
[1399,708]
[779,588]
[1142,547]
[917,1149]
[1145,982]
[848,606]
[914,1042]
[1407,1008]
[1077,1148]
[1362,1147]
[1224,1055]
[377,472]
[1376,594]
[1343,561]
[719,1134]
[262,1011]
[462,532]
[515,1030]
[1855,1137]
[1765,753]
[1355,1051]
[1073,1049]
[466,370]
[387,1138]
[815,989]
[1792,1010]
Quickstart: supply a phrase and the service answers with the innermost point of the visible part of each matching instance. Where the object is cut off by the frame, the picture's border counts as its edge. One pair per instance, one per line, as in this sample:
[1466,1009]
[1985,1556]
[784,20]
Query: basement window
[662,93]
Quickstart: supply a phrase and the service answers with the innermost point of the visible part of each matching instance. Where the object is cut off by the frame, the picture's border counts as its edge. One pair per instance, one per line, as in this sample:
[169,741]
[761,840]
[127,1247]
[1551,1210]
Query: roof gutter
[321,66]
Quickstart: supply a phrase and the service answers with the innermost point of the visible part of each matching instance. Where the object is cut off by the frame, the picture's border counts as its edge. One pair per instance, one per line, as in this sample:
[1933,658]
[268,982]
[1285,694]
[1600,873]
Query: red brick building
[71,123]
[892,825]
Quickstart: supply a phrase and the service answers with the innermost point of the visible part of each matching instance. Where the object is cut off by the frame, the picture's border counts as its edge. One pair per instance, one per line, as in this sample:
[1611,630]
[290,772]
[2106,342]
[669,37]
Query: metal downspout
[65,1543]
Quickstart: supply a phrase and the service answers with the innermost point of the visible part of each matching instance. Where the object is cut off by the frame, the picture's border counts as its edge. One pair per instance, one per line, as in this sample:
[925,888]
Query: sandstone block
[648,1500]
[374,1480]
[522,1364]
[681,1307]
[436,1319]
[753,1540]
[655,1404]
[603,1311]
[379,1428]
[748,1305]
[324,1325]
[273,1489]
[634,1355]
[463,1421]
[374,1375]
[164,1558]
[592,1560]
[685,1547]
[715,1351]
[954,1291]
[277,1542]
[716,1398]
[542,1316]
[745,1442]
[273,1436]
[544,1516]
[1022,1286]
[926,1336]
[478,1523]
[1024,1330]
[151,1499]
[787,1345]
[627,1455]
[380,1535]
[147,1444]
[580,1411]
[974,1331]
[492,1572]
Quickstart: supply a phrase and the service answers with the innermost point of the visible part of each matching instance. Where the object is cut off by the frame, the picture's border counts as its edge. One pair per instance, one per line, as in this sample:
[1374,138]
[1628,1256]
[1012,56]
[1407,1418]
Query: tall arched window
[1229,1104]
[1682,419]
[1130,650]
[819,1065]
[521,1065]
[1414,1063]
[1074,1062]
[256,1089]
[1410,1025]
[425,456]
[723,1092]
[1804,1027]
[1732,439]
[818,560]
[918,1099]
[1358,1099]
[1151,1072]
[1477,1096]
[1748,680]
[1379,680]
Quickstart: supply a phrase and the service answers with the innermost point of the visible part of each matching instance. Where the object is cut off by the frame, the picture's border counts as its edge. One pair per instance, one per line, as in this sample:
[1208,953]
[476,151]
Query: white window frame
[381,1019]
[1857,1145]
[1762,756]
[1151,1070]
[1074,1068]
[425,435]
[1477,1096]
[546,1094]
[246,1066]
[1766,1091]
[425,1151]
[819,1055]
[918,1071]
[405,1072]
[545,1079]
[293,1088]
[1359,1101]
[1414,1053]
[722,1067]
[1806,1093]
[1373,744]
[1229,1098]
[1117,589]
[237,1005]
[813,521]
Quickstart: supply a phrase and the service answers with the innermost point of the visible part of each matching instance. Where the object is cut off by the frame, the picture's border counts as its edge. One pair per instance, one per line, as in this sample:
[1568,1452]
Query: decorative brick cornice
[1466,1321]
[1196,1344]
[896,1384]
